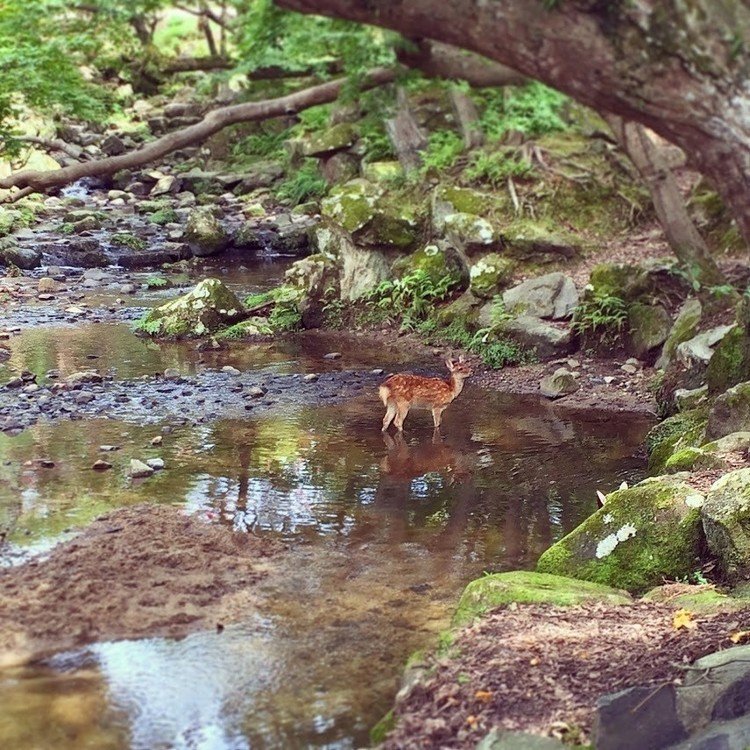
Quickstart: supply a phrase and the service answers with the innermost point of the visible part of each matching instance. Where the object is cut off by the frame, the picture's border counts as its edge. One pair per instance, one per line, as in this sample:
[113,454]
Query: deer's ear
[450,364]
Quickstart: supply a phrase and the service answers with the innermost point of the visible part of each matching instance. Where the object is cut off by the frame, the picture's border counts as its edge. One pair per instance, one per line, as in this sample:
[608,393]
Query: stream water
[381,537]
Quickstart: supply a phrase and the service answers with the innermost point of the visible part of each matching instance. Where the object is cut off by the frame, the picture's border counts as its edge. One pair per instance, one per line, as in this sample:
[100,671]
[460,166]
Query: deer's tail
[385,393]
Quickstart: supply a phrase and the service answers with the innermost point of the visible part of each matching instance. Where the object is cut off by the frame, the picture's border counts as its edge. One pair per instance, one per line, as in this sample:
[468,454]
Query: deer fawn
[400,392]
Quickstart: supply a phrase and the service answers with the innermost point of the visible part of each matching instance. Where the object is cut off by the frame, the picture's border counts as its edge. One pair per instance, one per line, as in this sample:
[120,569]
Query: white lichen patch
[608,518]
[607,545]
[695,501]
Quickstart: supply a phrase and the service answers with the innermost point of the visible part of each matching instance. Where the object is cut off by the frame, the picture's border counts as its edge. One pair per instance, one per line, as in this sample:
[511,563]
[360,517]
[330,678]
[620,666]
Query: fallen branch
[213,122]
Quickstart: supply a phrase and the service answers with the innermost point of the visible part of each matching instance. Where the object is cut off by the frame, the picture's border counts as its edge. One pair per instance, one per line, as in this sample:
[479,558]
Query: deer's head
[458,368]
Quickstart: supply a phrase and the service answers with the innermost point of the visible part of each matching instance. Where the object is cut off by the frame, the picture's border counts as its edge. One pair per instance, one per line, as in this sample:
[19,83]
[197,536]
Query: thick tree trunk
[684,239]
[679,68]
[213,122]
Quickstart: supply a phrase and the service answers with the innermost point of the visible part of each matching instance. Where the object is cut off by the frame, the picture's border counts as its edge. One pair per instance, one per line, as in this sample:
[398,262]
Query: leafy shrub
[443,149]
[263,145]
[533,109]
[303,185]
[600,315]
[495,167]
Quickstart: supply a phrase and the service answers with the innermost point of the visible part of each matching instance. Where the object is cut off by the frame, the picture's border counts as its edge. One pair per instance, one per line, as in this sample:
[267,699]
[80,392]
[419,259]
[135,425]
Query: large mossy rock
[532,333]
[25,258]
[730,412]
[649,326]
[537,241]
[204,233]
[338,137]
[473,234]
[437,260]
[620,280]
[464,308]
[490,275]
[553,295]
[641,536]
[730,363]
[208,307]
[527,587]
[726,521]
[373,216]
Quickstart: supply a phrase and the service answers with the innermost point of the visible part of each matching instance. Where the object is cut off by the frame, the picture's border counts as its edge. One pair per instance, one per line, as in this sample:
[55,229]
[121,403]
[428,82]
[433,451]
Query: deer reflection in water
[405,462]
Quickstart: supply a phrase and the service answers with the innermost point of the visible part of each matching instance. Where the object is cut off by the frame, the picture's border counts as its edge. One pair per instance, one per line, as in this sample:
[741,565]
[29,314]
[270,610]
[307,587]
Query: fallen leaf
[472,721]
[683,619]
[534,661]
[483,695]
[740,635]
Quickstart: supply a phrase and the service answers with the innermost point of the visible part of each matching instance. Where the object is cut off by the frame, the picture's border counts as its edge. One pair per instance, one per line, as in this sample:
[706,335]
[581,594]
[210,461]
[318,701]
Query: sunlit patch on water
[382,534]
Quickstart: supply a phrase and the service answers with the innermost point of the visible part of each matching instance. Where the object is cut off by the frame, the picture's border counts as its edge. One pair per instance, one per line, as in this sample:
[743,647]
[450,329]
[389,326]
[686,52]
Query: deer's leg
[402,410]
[390,413]
[437,415]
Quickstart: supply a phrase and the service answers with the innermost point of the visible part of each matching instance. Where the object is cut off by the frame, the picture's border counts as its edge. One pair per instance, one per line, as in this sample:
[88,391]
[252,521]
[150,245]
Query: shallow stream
[381,537]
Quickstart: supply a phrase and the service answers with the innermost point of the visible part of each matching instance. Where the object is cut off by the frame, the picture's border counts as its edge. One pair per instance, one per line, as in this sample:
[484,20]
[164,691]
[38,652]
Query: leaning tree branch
[213,122]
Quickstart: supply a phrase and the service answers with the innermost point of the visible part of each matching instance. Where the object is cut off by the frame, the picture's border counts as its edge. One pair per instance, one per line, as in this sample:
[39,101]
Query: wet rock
[310,378]
[560,383]
[256,391]
[553,296]
[230,370]
[83,397]
[332,355]
[157,464]
[209,306]
[83,376]
[83,252]
[26,258]
[501,739]
[113,145]
[139,470]
[14,383]
[101,465]
[642,535]
[204,234]
[46,285]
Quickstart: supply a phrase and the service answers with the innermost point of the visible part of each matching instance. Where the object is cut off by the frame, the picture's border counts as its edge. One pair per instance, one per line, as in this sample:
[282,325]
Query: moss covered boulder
[437,260]
[704,599]
[730,363]
[726,520]
[382,171]
[627,282]
[471,233]
[538,241]
[451,199]
[730,412]
[335,138]
[205,309]
[491,274]
[204,233]
[684,327]
[464,308]
[642,535]
[527,587]
[553,296]
[649,326]
[684,430]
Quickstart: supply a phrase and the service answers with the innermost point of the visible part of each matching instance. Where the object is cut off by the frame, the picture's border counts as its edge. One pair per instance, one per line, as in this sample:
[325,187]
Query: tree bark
[682,235]
[407,138]
[40,181]
[188,64]
[679,68]
[467,118]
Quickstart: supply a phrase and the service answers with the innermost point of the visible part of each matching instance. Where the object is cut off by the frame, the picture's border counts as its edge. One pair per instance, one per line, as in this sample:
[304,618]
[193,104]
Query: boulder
[83,252]
[649,327]
[471,233]
[683,329]
[533,333]
[382,171]
[620,280]
[502,739]
[204,234]
[339,167]
[699,350]
[553,295]
[560,383]
[335,138]
[684,430]
[726,521]
[25,258]
[361,270]
[208,307]
[730,363]
[532,242]
[464,308]
[437,260]
[730,412]
[527,587]
[642,535]
[490,275]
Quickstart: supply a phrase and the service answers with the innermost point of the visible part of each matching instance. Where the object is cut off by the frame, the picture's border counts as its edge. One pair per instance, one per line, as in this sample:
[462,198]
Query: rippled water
[382,535]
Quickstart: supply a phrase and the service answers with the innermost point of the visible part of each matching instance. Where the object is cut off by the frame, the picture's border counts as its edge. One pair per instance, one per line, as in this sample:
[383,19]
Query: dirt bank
[540,669]
[145,570]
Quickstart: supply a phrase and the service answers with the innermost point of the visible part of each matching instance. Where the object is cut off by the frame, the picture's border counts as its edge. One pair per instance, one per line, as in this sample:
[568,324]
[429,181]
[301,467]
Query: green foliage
[443,149]
[12,219]
[494,351]
[125,239]
[601,315]
[285,316]
[411,298]
[163,216]
[157,282]
[303,185]
[495,167]
[533,109]
[145,325]
[262,145]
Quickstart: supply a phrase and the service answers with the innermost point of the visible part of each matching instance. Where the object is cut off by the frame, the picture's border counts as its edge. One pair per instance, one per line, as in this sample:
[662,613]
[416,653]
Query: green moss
[683,460]
[641,536]
[466,200]
[490,274]
[730,363]
[527,587]
[163,216]
[435,260]
[684,430]
[381,729]
[126,239]
[698,599]
[619,280]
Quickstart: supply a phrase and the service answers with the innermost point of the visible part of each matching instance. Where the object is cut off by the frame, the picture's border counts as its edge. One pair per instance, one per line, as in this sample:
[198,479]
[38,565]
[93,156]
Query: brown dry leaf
[683,619]
[483,695]
[739,636]
[472,721]
[534,661]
